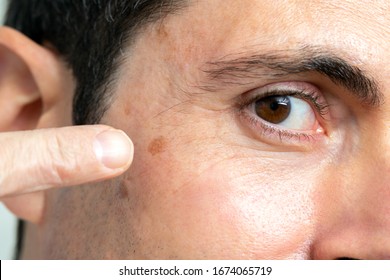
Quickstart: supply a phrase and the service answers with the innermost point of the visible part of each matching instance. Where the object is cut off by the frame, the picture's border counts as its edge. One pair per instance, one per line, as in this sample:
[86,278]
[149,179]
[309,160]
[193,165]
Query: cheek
[232,209]
[261,214]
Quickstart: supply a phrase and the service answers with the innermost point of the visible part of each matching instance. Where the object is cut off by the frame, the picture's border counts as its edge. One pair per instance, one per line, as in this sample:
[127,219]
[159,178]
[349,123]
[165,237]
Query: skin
[204,183]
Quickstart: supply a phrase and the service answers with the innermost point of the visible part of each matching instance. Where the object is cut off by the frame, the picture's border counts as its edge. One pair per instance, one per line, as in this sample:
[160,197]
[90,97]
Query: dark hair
[89,34]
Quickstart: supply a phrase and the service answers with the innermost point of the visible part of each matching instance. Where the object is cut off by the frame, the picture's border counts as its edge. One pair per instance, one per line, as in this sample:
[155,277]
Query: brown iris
[273,109]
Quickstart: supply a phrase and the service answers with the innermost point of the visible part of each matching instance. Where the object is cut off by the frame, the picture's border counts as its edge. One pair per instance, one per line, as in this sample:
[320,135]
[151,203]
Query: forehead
[208,30]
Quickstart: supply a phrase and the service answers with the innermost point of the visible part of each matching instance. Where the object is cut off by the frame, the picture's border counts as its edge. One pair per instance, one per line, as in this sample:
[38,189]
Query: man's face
[256,136]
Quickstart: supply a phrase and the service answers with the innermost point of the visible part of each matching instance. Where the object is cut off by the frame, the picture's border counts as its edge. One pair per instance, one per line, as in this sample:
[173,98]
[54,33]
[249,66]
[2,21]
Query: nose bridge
[366,169]
[384,143]
[355,213]
[374,161]
[364,187]
[372,183]
[380,176]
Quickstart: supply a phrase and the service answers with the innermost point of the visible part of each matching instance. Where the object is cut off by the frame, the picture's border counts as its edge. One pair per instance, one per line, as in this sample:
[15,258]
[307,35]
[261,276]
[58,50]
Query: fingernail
[113,148]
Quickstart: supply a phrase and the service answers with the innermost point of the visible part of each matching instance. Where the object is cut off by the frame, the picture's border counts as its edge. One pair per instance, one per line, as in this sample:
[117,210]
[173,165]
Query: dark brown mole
[157,145]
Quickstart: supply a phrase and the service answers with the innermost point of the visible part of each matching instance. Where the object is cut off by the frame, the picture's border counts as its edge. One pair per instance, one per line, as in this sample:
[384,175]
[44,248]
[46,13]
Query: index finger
[41,159]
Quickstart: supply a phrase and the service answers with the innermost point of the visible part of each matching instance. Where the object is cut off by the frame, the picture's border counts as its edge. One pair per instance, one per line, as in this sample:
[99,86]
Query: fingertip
[114,149]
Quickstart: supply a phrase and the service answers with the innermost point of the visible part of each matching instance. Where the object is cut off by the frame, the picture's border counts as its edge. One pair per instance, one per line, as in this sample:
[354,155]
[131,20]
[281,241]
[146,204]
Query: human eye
[285,112]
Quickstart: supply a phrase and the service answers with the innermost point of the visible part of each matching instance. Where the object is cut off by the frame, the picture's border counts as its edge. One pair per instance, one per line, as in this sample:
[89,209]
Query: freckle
[162,31]
[127,109]
[157,145]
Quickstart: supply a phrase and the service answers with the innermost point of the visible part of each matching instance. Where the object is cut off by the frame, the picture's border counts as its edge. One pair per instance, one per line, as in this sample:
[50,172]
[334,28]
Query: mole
[157,145]
[123,191]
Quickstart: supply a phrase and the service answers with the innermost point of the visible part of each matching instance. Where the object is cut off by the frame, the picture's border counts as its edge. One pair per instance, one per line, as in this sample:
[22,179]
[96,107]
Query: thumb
[42,159]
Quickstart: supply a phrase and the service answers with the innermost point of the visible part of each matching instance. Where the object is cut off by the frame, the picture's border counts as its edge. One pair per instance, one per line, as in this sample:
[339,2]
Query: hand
[48,158]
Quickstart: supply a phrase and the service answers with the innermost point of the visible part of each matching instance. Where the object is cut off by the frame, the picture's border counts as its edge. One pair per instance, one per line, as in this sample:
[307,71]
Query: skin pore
[211,179]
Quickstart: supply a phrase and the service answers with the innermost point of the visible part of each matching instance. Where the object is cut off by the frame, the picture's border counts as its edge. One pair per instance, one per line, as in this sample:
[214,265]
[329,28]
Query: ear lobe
[27,207]
[36,91]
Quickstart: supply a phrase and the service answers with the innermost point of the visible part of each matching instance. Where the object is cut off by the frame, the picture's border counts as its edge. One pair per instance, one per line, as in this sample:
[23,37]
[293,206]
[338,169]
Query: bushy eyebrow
[274,64]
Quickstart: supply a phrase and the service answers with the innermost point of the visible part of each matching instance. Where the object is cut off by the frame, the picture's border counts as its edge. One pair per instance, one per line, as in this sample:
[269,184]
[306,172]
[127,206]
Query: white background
[7,220]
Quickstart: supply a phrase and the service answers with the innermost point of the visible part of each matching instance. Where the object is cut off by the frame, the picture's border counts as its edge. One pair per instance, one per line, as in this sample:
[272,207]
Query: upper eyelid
[310,93]
[290,86]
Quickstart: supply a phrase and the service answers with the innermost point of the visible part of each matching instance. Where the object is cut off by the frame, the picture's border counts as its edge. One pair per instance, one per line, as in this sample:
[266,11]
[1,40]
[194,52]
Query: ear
[36,91]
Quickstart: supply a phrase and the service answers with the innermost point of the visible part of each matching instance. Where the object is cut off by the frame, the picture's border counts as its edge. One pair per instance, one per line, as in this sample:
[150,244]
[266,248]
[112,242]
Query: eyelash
[320,107]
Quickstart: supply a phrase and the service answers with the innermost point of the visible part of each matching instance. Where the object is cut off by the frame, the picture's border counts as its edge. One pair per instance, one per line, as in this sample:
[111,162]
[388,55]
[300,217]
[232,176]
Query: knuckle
[62,161]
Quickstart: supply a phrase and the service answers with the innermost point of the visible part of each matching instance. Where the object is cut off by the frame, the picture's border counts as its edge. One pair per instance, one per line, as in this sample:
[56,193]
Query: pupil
[274,106]
[273,109]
